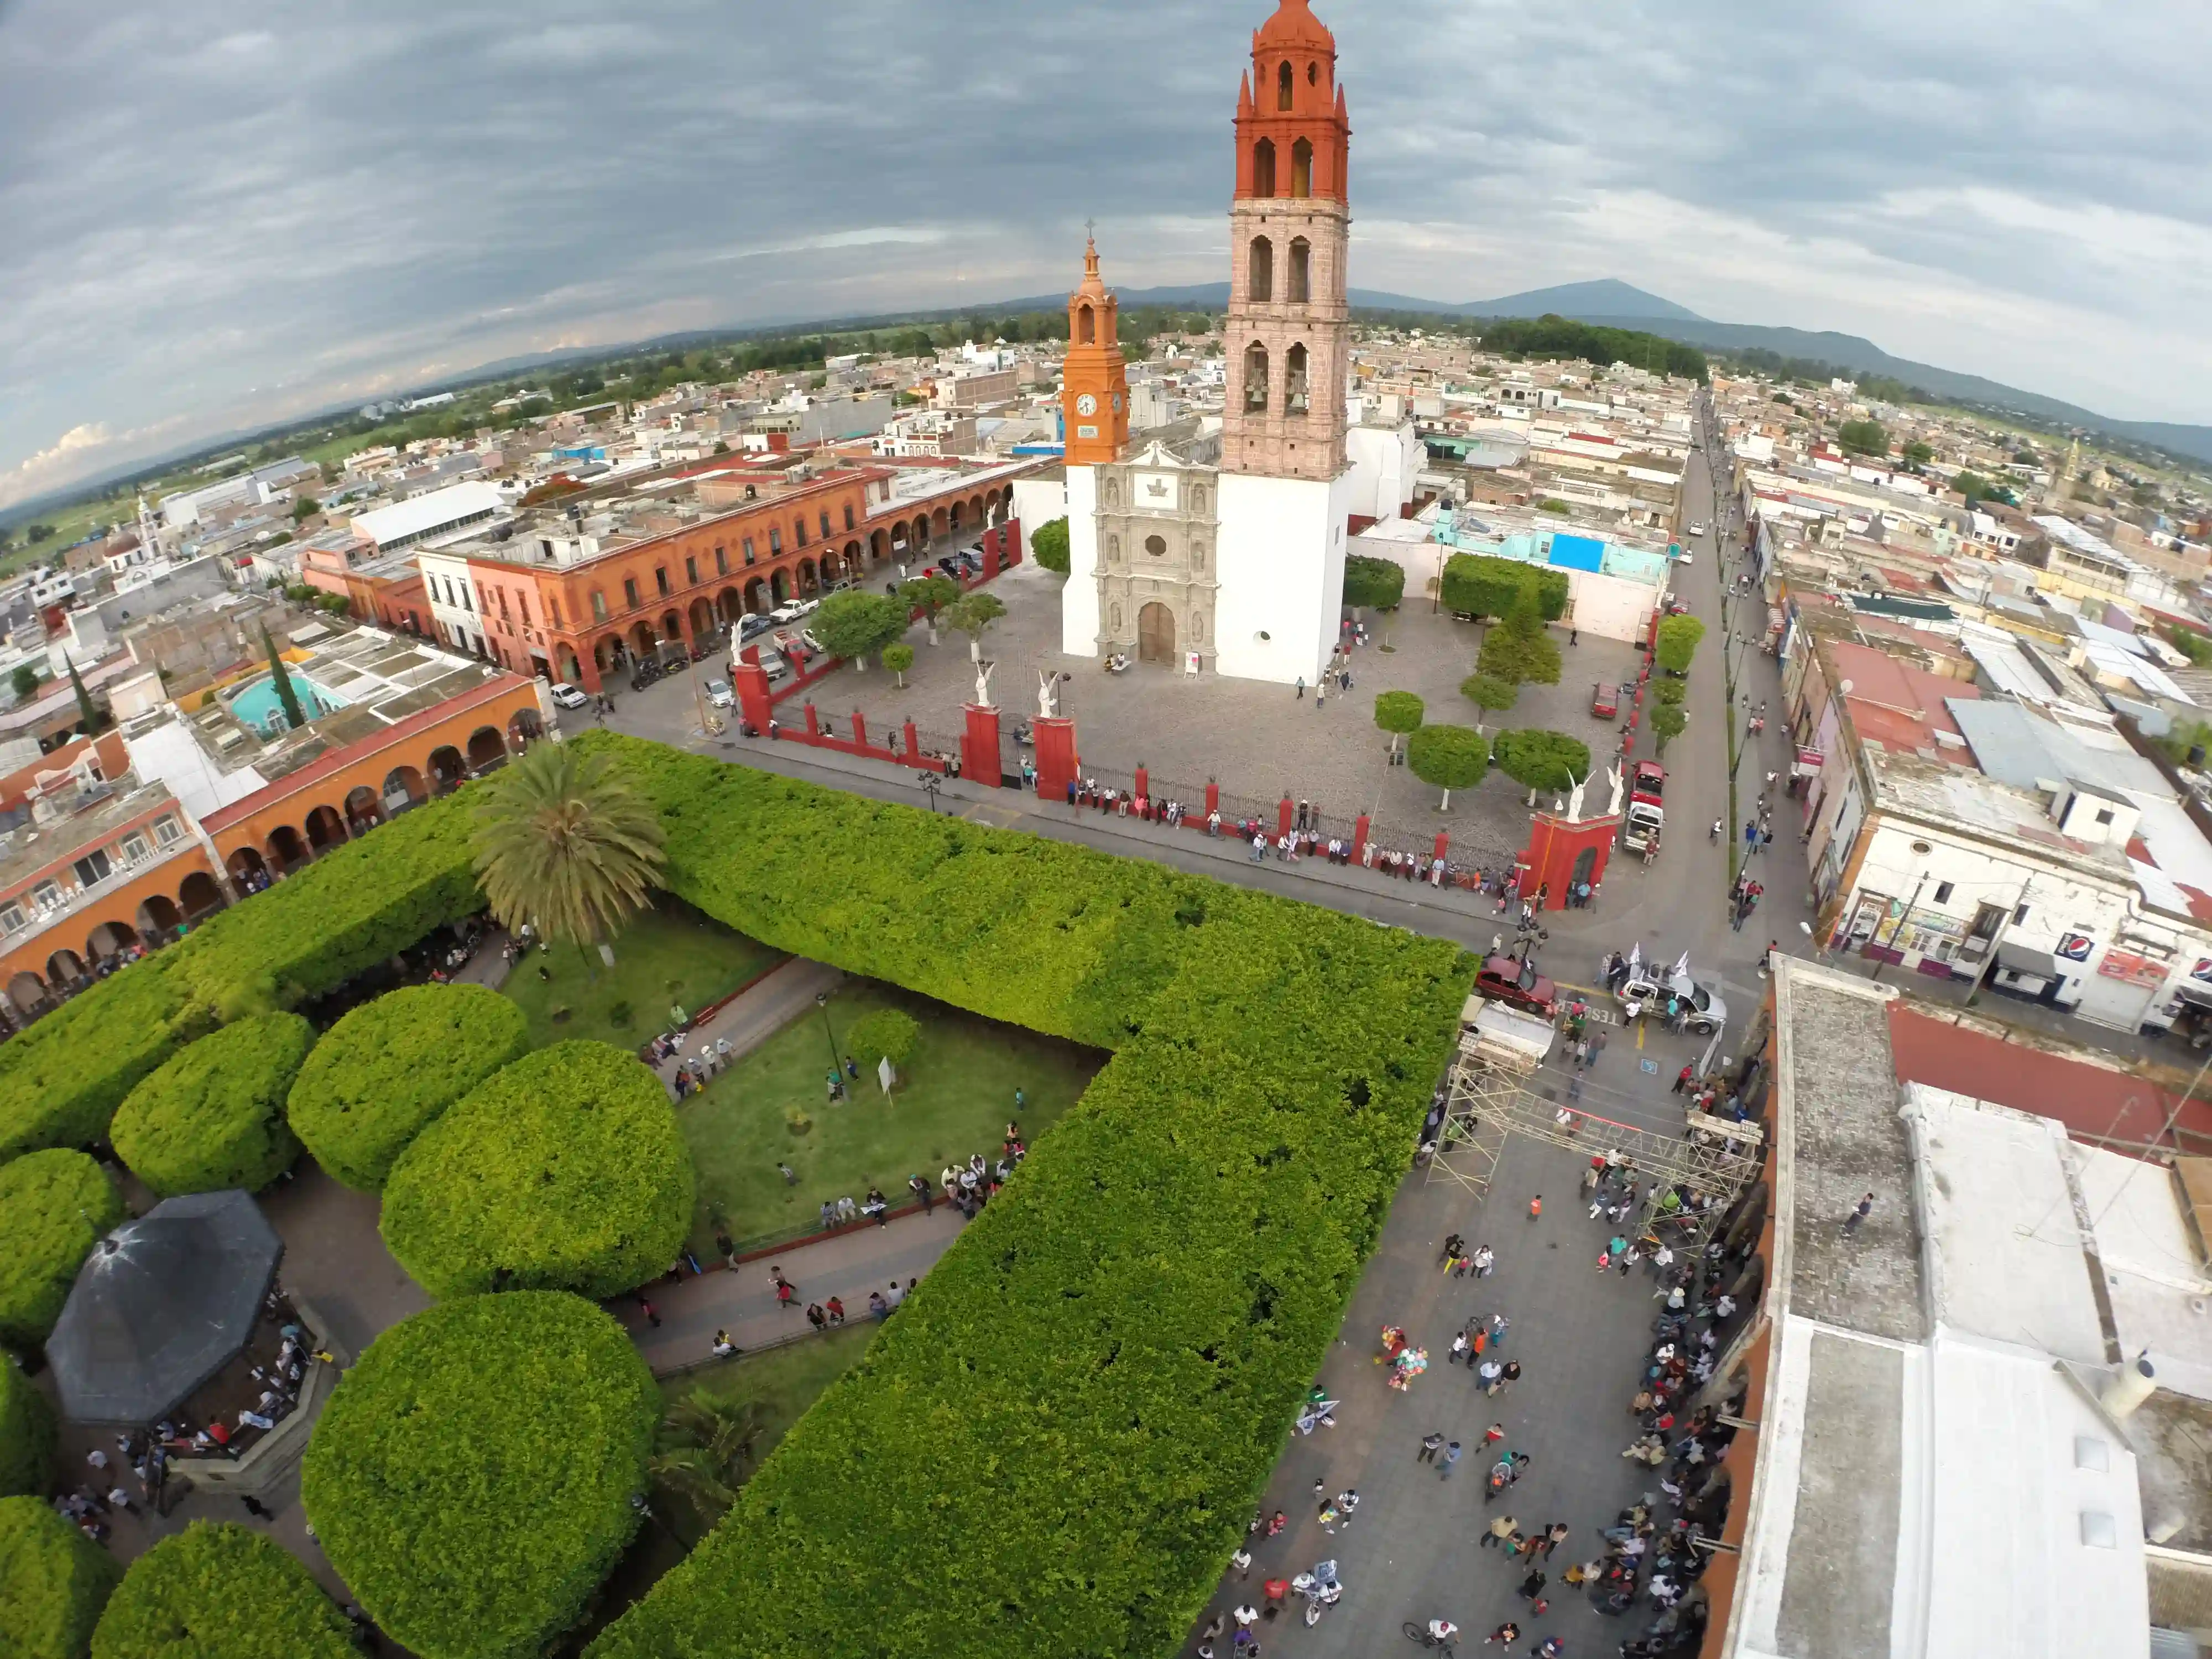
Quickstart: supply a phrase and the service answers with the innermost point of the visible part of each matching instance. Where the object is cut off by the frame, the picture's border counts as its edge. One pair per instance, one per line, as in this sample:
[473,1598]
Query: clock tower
[1094,396]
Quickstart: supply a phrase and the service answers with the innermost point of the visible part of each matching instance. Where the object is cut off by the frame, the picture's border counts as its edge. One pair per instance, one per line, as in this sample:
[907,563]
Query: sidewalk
[742,1300]
[757,1013]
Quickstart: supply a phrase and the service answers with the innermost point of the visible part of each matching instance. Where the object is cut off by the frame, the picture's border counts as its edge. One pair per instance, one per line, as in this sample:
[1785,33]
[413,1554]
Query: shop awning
[2022,960]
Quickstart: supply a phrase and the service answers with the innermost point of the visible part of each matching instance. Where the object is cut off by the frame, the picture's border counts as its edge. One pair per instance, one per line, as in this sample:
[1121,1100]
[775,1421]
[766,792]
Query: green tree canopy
[1049,546]
[929,594]
[474,1520]
[1918,452]
[1862,438]
[306,508]
[562,843]
[898,657]
[706,1450]
[1489,693]
[25,680]
[1542,760]
[54,1206]
[886,1033]
[1976,487]
[1399,713]
[1677,642]
[972,614]
[27,1432]
[88,712]
[213,1116]
[53,1582]
[1449,757]
[1376,583]
[1484,585]
[1668,720]
[1518,650]
[219,1590]
[281,676]
[855,626]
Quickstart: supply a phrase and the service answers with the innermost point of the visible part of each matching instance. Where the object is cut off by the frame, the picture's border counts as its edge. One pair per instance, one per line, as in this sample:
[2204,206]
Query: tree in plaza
[1399,713]
[1449,757]
[1049,546]
[1677,643]
[855,625]
[281,676]
[1484,584]
[561,842]
[1518,650]
[1862,438]
[706,1451]
[887,1034]
[929,595]
[1375,583]
[1668,720]
[1489,693]
[972,614]
[898,659]
[1667,690]
[1542,760]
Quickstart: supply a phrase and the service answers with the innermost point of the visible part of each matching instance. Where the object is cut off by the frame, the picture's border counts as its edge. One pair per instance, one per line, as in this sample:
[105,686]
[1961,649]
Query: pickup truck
[1647,993]
[1646,816]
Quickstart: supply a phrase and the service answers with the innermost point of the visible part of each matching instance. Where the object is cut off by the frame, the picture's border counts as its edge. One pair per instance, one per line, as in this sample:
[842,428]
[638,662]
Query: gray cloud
[218,218]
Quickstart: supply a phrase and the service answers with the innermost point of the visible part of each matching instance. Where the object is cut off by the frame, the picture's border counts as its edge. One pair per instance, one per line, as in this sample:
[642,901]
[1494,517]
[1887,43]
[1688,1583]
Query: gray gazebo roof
[162,1305]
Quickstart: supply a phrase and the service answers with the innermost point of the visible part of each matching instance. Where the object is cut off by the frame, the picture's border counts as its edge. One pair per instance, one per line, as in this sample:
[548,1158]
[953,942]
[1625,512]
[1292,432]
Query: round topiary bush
[213,1117]
[886,1033]
[471,1477]
[393,1065]
[53,1583]
[564,1172]
[54,1206]
[27,1433]
[217,1591]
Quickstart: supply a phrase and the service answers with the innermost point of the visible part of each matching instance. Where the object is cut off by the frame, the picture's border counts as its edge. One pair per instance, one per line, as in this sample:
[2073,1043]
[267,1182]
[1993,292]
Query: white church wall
[1385,461]
[1037,501]
[1280,553]
[1079,600]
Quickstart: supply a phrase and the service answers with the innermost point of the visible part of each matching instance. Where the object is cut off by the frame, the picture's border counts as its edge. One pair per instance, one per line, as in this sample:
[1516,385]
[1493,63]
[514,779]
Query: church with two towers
[1224,553]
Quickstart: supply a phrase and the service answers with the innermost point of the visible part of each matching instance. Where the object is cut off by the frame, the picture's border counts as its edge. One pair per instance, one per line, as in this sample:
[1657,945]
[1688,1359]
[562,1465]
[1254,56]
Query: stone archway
[755,597]
[325,829]
[953,517]
[808,582]
[728,607]
[110,939]
[849,562]
[288,849]
[779,588]
[672,628]
[65,970]
[364,810]
[404,787]
[447,769]
[28,992]
[879,546]
[608,653]
[641,638]
[524,727]
[249,872]
[703,619]
[200,896]
[487,752]
[1156,634]
[566,665]
[159,916]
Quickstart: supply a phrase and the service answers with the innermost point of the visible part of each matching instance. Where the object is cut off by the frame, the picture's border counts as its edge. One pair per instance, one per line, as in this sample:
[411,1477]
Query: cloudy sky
[218,215]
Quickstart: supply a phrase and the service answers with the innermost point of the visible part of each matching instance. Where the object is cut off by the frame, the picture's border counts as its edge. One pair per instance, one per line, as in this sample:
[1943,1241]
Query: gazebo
[161,1306]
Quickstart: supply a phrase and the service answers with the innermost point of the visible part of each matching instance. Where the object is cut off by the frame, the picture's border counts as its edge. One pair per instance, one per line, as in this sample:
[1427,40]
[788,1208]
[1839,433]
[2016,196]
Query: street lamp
[836,1064]
[929,787]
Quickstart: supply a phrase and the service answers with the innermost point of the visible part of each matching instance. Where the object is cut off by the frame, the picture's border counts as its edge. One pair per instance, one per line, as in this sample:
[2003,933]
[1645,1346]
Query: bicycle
[1418,1634]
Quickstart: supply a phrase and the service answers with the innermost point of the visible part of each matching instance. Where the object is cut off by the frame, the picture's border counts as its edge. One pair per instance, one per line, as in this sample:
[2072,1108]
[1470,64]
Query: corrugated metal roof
[2019,747]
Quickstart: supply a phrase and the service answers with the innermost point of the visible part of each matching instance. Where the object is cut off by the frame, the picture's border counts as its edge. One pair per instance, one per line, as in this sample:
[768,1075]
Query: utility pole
[1899,931]
[1997,938]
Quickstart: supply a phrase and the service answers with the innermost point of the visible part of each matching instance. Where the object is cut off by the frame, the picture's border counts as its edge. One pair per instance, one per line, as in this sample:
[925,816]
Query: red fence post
[753,700]
[813,724]
[1444,841]
[1359,839]
[1213,798]
[912,747]
[1144,784]
[1283,815]
[860,730]
[980,757]
[1057,765]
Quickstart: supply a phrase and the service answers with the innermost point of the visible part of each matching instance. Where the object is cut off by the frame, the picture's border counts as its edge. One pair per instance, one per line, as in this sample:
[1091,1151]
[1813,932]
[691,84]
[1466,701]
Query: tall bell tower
[1093,390]
[1289,325]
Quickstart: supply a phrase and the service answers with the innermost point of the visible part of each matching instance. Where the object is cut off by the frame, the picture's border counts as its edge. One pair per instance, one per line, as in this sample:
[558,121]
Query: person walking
[1449,1457]
[1431,1444]
[1499,1530]
[256,1509]
[1536,1207]
[1302,689]
[1851,1222]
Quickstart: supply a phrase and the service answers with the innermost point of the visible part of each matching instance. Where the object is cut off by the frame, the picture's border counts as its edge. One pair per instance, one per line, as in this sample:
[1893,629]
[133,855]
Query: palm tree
[564,844]
[706,1443]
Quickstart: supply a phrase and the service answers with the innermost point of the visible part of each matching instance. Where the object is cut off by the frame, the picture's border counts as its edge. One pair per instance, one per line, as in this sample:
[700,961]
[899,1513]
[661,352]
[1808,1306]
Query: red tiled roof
[2111,1108]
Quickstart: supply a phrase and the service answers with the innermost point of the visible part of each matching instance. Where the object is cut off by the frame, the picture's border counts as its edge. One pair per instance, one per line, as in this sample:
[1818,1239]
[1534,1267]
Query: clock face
[1086,404]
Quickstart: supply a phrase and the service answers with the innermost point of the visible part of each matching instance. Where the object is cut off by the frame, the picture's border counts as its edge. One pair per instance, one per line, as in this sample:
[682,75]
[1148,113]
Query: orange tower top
[1293,132]
[1094,391]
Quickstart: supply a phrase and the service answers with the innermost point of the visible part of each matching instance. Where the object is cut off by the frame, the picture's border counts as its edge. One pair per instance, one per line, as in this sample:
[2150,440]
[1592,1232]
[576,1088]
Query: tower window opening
[1302,168]
[1301,270]
[1086,327]
[1263,168]
[1294,382]
[1283,84]
[1261,282]
[1313,75]
[1256,379]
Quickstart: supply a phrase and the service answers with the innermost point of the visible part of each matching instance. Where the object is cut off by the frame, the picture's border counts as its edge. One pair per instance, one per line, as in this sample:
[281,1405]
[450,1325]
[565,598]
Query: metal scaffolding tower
[1488,1099]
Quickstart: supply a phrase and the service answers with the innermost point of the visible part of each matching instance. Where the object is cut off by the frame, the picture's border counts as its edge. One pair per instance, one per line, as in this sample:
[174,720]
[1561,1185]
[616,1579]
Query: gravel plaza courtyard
[1258,741]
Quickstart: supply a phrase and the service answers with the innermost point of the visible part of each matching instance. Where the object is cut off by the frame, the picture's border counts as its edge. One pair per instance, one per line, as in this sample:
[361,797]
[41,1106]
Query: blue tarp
[1577,553]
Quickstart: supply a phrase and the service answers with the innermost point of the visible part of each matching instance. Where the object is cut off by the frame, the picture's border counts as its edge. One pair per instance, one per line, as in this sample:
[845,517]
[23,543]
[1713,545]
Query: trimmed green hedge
[27,1433]
[213,1117]
[391,1065]
[887,1034]
[1538,759]
[470,1477]
[54,1206]
[1070,1423]
[61,1080]
[218,1590]
[53,1583]
[566,1170]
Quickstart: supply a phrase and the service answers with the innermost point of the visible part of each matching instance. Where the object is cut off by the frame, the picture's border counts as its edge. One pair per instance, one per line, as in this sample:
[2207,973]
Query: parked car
[749,625]
[771,660]
[1518,986]
[803,608]
[570,696]
[1649,991]
[718,693]
[1605,701]
[785,613]
[803,639]
[1698,529]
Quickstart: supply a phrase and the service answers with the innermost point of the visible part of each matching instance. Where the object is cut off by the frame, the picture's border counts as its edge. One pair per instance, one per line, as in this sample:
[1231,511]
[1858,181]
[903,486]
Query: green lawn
[667,956]
[954,1098]
[784,1381]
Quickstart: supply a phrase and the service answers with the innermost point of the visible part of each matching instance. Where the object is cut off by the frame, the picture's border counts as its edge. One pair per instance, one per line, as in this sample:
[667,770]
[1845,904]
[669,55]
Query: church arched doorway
[1156,634]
